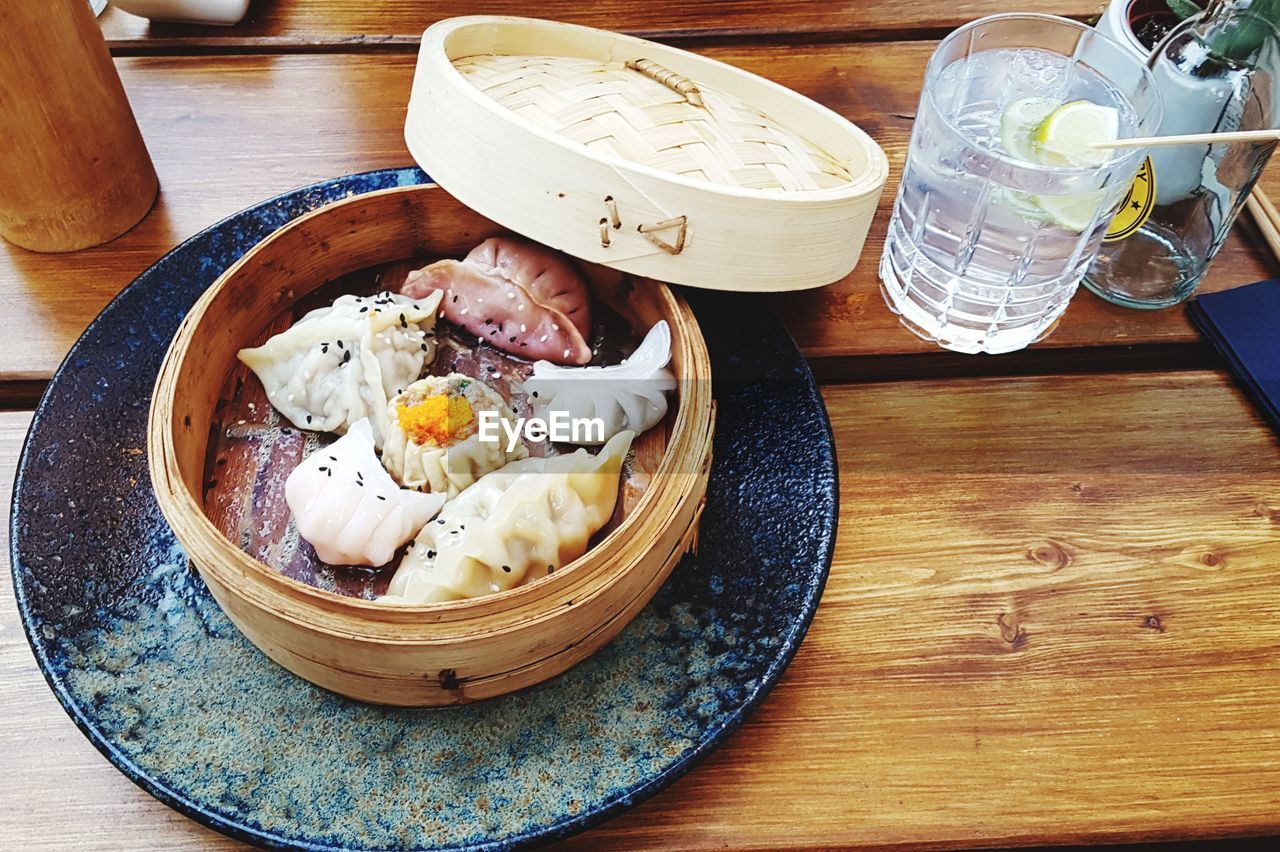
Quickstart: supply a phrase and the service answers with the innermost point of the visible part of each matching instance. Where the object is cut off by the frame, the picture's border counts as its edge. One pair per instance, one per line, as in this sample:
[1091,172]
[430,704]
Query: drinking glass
[985,249]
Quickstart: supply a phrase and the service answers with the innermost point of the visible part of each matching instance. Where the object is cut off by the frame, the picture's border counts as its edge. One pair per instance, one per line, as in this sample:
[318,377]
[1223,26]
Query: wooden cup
[74,171]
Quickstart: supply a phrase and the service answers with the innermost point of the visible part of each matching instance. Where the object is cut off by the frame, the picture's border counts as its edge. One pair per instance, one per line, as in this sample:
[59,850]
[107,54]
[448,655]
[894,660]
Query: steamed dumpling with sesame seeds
[523,298]
[344,362]
[631,395]
[517,524]
[349,508]
[434,441]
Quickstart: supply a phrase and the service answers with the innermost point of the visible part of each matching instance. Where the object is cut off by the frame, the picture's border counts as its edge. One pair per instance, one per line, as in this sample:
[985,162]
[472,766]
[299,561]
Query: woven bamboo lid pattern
[617,108]
[646,158]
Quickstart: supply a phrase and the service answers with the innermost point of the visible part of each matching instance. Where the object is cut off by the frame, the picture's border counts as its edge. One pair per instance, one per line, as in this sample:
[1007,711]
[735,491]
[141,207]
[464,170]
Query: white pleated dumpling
[349,508]
[515,524]
[341,363]
[627,396]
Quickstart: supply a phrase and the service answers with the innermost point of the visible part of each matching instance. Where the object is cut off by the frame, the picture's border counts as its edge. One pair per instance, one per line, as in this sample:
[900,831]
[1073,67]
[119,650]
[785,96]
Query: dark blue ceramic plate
[159,680]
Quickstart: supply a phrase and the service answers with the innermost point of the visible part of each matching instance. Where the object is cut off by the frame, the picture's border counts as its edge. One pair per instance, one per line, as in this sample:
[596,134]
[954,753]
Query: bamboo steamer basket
[650,159]
[430,654]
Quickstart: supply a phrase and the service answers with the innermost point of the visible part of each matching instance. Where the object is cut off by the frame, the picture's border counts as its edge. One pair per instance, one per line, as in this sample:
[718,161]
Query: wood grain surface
[1038,628]
[291,24]
[226,132]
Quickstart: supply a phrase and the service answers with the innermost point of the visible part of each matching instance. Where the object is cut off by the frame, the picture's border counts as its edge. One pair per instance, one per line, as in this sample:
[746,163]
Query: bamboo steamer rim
[268,587]
[435,52]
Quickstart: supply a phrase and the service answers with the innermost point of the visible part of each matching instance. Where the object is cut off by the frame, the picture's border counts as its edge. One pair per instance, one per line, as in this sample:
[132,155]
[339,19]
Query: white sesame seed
[523,328]
[543,338]
[464,311]
[511,295]
[555,327]
[566,353]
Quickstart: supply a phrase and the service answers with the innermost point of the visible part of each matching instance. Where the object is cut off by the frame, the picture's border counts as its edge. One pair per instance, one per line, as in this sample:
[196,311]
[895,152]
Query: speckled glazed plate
[162,683]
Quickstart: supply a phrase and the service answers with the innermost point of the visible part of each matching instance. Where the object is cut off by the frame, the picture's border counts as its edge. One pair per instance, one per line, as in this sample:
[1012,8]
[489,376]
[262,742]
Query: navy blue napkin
[1244,325]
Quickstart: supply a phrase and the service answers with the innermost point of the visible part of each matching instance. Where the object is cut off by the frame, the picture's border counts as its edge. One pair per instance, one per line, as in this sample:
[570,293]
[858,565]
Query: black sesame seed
[492,333]
[455,299]
[506,568]
[361,484]
[308,418]
[551,569]
[535,394]
[340,346]
[424,347]
[333,458]
[380,497]
[431,554]
[440,521]
[488,321]
[324,468]
[511,340]
[403,323]
[346,356]
[365,308]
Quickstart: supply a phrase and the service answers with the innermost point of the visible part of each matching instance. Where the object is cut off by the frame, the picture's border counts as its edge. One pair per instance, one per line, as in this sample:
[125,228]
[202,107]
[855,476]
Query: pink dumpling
[522,297]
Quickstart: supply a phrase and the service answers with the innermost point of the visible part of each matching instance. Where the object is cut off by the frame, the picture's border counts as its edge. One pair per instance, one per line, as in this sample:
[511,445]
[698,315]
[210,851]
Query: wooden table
[1053,612]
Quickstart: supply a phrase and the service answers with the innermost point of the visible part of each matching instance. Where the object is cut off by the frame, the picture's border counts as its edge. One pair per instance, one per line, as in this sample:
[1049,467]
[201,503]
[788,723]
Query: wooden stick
[1191,139]
[1268,207]
[1262,210]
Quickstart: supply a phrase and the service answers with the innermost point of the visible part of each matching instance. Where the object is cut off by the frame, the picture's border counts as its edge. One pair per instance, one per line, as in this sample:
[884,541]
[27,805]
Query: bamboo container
[646,158]
[430,654]
[74,171]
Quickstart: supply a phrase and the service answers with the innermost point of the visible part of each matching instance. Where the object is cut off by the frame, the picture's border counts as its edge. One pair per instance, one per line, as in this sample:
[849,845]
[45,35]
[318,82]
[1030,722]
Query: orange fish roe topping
[436,419]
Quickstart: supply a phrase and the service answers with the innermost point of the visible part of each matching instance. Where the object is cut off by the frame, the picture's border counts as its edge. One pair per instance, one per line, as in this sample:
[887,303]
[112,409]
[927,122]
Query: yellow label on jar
[1137,205]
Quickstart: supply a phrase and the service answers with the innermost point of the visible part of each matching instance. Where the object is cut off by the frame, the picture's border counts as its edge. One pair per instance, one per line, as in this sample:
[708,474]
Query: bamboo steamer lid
[642,157]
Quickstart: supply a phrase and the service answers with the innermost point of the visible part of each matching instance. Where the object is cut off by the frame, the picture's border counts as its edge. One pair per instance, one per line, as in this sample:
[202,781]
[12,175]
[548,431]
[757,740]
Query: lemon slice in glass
[1066,136]
[1019,123]
[1073,212]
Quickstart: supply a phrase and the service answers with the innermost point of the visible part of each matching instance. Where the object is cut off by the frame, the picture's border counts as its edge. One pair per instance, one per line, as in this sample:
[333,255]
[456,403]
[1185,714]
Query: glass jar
[1217,72]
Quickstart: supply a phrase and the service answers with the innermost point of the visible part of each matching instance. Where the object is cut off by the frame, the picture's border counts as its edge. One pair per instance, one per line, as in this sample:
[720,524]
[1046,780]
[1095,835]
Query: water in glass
[985,249]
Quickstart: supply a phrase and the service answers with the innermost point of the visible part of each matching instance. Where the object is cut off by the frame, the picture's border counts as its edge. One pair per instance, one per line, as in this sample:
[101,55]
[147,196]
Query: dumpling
[631,395]
[433,439]
[349,508]
[521,297]
[518,523]
[339,364]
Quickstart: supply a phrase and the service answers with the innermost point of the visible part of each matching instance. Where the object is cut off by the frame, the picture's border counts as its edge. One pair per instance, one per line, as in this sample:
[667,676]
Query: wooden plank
[228,131]
[356,24]
[1039,628]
